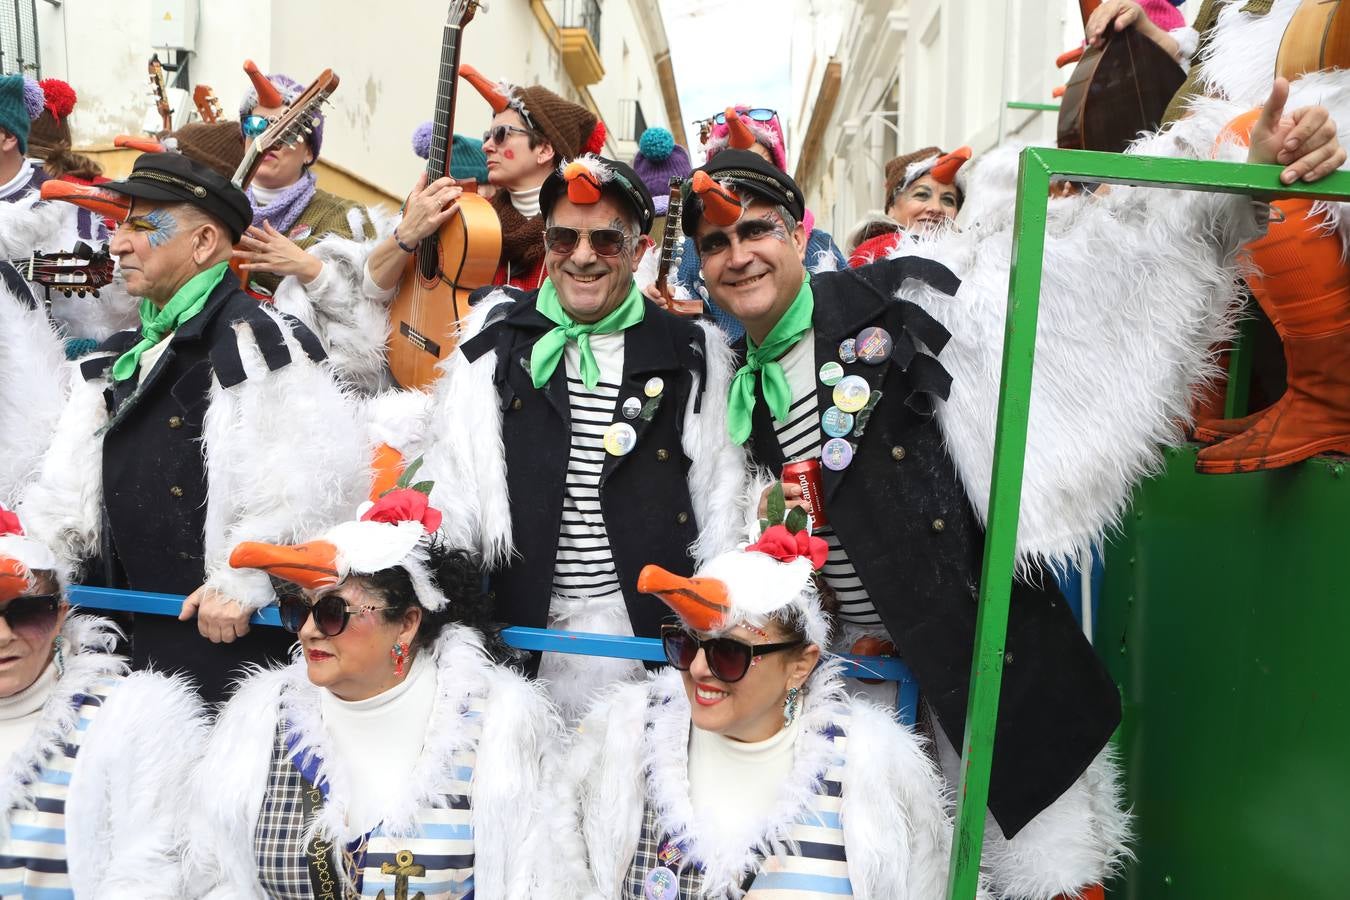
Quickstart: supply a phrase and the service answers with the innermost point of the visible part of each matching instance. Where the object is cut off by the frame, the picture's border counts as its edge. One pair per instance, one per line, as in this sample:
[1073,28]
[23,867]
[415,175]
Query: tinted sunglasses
[331,613]
[32,615]
[499,133]
[255,125]
[728,658]
[759,114]
[604,241]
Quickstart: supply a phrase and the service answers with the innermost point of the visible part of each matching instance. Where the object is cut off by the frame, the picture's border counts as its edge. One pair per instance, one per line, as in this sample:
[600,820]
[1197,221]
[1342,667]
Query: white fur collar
[89,660]
[462,669]
[665,753]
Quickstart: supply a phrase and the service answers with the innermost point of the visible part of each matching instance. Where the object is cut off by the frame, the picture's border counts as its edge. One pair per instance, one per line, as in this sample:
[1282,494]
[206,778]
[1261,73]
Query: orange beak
[268,95]
[14,579]
[1240,128]
[582,186]
[740,137]
[721,205]
[495,98]
[945,169]
[701,602]
[97,200]
[311,565]
[145,145]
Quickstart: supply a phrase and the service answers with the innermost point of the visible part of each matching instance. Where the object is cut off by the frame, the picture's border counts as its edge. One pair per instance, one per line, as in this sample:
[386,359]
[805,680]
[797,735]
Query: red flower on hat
[9,522]
[785,546]
[404,505]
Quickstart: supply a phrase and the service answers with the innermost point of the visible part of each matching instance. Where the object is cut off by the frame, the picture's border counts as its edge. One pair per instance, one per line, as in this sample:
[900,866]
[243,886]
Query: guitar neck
[442,124]
[671,235]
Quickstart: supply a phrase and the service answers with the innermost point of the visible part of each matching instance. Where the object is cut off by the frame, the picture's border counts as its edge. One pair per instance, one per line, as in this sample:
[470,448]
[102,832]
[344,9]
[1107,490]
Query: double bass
[462,256]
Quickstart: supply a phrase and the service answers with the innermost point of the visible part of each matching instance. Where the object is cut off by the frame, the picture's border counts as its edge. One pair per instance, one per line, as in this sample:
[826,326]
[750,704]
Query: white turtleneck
[380,739]
[19,714]
[25,174]
[263,195]
[526,202]
[735,784]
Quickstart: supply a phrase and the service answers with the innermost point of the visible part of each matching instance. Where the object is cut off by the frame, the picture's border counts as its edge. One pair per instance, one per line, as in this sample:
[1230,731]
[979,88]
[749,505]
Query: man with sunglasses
[213,423]
[578,430]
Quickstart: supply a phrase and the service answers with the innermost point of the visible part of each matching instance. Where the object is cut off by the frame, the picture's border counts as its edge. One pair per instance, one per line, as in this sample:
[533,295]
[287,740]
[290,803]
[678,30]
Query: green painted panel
[1225,617]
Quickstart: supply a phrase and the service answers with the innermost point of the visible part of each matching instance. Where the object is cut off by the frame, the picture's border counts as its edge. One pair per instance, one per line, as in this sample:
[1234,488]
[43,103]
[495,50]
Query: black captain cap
[173,178]
[609,175]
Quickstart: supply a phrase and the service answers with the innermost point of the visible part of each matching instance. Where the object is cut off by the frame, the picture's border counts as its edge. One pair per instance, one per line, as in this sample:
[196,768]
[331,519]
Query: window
[19,38]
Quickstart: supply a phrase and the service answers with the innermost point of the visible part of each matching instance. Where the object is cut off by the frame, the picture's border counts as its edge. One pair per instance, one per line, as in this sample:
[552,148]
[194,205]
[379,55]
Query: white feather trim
[600,170]
[96,318]
[29,224]
[399,419]
[573,680]
[761,587]
[32,391]
[718,467]
[1239,61]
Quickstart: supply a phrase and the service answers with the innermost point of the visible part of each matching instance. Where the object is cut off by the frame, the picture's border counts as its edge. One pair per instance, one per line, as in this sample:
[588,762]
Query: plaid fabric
[278,838]
[644,860]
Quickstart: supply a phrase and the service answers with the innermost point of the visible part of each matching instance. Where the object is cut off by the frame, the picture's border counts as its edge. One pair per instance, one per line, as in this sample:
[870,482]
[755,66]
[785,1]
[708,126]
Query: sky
[721,51]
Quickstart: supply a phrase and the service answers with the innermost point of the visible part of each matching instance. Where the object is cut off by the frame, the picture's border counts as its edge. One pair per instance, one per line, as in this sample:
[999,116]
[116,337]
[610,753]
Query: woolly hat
[51,130]
[658,160]
[466,155]
[903,171]
[218,145]
[722,187]
[740,131]
[571,129]
[20,557]
[396,530]
[1163,13]
[275,91]
[771,578]
[585,180]
[21,102]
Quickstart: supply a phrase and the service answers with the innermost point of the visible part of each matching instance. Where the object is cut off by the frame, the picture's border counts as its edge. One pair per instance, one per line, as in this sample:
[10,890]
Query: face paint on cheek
[158,225]
[508,153]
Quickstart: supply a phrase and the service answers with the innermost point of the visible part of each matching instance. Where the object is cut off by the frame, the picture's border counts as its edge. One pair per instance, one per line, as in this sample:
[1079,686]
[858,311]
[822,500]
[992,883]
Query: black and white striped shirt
[584,567]
[800,438]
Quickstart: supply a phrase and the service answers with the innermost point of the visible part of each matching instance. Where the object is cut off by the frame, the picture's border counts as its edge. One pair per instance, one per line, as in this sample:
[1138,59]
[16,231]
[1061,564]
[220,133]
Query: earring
[59,650]
[399,653]
[790,706]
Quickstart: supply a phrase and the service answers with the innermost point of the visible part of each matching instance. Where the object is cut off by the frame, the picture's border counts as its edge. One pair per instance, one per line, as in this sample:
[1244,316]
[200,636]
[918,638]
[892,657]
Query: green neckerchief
[548,350]
[763,360]
[156,323]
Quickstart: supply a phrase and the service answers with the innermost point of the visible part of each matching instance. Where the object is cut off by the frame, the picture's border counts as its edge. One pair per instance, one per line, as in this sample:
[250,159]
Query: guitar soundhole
[428,258]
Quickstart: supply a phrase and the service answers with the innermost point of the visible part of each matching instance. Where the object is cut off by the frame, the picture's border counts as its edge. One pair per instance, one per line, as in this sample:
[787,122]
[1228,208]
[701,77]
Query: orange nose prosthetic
[311,565]
[97,200]
[268,96]
[702,603]
[489,91]
[582,185]
[145,145]
[739,135]
[721,205]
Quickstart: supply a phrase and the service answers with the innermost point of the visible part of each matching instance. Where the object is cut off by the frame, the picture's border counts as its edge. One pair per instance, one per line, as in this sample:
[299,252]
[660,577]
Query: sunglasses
[331,613]
[728,658]
[604,241]
[255,125]
[499,133]
[33,615]
[759,114]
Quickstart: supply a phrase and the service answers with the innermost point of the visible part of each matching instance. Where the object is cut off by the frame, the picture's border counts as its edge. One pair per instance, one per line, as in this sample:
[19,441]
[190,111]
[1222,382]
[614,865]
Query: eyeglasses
[498,134]
[604,241]
[728,658]
[759,114]
[33,615]
[331,613]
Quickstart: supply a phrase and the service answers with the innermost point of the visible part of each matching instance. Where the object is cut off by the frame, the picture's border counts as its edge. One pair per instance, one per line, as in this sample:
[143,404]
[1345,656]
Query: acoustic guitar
[161,91]
[462,256]
[1317,38]
[1116,91]
[208,107]
[672,243]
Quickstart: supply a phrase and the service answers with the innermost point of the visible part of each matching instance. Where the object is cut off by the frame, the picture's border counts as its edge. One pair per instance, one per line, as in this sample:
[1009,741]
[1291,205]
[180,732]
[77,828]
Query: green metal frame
[1037,167]
[1034,107]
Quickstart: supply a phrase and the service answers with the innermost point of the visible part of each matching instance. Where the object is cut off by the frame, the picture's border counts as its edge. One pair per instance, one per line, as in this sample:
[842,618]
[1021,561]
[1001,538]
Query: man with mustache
[578,430]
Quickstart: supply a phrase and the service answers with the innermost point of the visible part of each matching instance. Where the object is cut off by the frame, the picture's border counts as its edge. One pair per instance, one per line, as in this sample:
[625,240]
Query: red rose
[404,505]
[9,522]
[785,546]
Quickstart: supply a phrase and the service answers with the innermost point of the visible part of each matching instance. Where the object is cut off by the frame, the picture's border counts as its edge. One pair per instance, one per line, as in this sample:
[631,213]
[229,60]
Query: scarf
[762,360]
[548,350]
[288,205]
[156,323]
[522,238]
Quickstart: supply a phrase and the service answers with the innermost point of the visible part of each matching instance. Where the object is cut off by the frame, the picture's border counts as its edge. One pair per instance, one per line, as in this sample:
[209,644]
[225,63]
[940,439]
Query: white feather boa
[30,224]
[519,727]
[33,383]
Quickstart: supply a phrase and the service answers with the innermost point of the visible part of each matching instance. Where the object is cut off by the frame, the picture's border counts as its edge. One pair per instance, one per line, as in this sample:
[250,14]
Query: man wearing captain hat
[194,432]
[578,430]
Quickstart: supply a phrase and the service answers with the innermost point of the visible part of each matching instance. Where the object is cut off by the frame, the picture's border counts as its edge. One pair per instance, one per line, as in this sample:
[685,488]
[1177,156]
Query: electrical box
[173,23]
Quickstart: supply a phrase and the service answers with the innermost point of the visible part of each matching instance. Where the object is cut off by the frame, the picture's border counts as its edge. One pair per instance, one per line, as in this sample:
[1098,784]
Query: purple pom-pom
[421,140]
[33,98]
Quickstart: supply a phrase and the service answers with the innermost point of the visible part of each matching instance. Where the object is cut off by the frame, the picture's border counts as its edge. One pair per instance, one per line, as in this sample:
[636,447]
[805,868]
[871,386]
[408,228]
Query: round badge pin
[830,373]
[654,387]
[836,454]
[620,438]
[660,884]
[873,345]
[851,394]
[847,350]
[835,422]
[631,407]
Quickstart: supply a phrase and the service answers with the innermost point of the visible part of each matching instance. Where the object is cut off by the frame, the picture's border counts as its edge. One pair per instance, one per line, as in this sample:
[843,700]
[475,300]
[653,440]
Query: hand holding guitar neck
[429,207]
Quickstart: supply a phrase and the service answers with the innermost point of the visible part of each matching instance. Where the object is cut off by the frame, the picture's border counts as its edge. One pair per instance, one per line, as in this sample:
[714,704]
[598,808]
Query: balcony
[579,41]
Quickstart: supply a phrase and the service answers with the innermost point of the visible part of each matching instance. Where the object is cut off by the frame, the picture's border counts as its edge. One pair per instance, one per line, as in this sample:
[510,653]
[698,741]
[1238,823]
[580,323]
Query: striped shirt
[800,437]
[584,567]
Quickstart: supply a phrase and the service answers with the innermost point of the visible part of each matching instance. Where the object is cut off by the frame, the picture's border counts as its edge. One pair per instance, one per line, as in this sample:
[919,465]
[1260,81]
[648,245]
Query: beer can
[806,474]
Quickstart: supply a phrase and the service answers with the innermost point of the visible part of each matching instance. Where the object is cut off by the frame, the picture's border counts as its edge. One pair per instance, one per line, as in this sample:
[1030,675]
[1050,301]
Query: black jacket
[904,519]
[644,494]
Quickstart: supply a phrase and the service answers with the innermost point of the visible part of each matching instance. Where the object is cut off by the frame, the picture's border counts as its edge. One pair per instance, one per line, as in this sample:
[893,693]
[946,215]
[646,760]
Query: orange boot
[1304,287]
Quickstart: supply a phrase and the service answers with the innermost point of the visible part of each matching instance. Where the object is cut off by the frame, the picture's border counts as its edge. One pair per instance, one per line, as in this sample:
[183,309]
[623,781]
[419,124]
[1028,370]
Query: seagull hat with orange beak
[586,179]
[945,168]
[723,187]
[21,558]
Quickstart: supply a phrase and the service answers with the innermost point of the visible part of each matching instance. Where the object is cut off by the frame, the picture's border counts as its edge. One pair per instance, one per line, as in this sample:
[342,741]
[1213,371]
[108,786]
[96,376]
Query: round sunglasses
[255,125]
[758,114]
[728,659]
[604,241]
[331,613]
[32,615]
[498,134]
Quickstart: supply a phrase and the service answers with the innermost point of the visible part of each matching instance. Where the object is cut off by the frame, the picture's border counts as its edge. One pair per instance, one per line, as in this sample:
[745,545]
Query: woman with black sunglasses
[394,754]
[745,767]
[93,757]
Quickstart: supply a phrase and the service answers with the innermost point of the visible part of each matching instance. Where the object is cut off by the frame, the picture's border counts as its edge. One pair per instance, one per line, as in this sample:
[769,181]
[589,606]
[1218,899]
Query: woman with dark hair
[395,756]
[924,192]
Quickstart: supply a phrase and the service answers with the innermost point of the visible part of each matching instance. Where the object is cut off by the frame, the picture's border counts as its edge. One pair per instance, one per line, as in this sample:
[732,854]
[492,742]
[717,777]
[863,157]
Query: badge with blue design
[835,422]
[663,882]
[848,352]
[874,345]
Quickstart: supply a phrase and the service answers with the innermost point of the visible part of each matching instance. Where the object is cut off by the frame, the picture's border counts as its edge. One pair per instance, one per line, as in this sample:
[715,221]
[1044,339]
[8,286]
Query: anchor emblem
[402,868]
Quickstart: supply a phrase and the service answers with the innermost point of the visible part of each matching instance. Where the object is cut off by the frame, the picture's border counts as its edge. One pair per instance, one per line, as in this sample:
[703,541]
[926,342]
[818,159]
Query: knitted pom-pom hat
[273,91]
[50,129]
[466,154]
[658,160]
[571,129]
[21,101]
